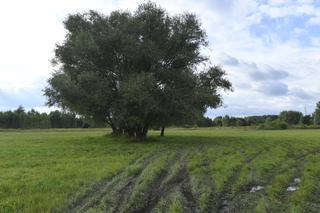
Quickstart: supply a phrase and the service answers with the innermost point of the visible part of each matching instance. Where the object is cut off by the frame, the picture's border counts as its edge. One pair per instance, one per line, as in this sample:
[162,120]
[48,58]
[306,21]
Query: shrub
[274,125]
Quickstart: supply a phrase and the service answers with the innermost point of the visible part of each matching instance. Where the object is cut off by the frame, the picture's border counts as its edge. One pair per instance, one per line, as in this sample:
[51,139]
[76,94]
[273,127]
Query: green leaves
[135,70]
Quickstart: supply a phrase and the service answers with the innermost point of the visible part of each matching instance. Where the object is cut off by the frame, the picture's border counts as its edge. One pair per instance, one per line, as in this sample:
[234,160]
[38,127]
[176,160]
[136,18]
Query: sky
[269,48]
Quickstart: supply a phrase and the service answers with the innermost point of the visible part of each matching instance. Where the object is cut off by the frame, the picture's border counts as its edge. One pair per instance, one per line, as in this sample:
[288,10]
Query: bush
[306,127]
[274,125]
[281,125]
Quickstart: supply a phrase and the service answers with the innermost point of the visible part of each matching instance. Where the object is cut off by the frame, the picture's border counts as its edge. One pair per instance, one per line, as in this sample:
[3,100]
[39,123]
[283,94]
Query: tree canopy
[22,119]
[290,117]
[316,114]
[135,70]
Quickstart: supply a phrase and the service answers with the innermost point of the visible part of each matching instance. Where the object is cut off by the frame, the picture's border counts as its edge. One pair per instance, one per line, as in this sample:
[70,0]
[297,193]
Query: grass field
[200,170]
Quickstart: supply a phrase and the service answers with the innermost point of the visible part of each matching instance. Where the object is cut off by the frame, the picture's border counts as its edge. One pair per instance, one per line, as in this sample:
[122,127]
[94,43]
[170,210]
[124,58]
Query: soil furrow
[100,189]
[191,202]
[298,171]
[158,189]
[224,197]
[242,200]
[212,196]
[122,193]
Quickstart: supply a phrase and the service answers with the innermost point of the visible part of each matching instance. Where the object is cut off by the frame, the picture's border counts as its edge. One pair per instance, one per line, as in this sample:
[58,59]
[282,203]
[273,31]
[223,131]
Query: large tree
[135,70]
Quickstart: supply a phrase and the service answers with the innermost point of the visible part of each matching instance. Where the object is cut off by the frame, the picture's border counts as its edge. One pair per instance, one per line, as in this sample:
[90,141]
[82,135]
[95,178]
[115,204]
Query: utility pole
[305,109]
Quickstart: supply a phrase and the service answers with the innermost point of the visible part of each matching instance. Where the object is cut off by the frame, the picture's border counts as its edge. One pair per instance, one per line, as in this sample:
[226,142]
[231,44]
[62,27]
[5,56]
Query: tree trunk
[132,132]
[162,131]
[114,129]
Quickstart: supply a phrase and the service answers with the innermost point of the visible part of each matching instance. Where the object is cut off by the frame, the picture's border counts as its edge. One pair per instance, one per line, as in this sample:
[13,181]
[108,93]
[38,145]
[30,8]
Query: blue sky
[269,48]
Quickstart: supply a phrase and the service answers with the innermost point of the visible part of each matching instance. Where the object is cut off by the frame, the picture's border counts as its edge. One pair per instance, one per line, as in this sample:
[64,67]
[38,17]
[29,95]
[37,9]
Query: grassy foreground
[202,170]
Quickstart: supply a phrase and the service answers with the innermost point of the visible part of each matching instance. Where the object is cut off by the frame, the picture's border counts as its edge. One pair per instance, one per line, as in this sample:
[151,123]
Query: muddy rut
[154,182]
[116,194]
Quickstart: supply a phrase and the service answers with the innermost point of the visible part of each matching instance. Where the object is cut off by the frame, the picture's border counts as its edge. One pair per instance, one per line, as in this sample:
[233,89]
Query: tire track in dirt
[124,192]
[248,201]
[181,184]
[161,187]
[209,181]
[104,191]
[225,196]
[185,186]
[100,189]
[300,159]
[245,197]
[242,200]
[191,202]
[117,190]
[298,167]
[312,203]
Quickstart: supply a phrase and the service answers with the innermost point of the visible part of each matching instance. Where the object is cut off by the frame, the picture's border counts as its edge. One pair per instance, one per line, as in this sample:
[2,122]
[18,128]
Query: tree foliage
[135,70]
[290,117]
[316,115]
[21,119]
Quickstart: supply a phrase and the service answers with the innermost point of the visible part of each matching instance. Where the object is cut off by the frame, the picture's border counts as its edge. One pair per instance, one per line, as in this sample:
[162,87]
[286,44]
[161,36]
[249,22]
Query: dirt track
[165,182]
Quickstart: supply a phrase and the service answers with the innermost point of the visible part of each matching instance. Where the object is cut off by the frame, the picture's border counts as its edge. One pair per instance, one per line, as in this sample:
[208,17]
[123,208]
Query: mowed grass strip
[47,171]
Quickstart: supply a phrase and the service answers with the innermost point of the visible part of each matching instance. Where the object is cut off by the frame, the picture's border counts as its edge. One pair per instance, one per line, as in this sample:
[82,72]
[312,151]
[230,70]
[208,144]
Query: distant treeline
[234,121]
[281,121]
[21,119]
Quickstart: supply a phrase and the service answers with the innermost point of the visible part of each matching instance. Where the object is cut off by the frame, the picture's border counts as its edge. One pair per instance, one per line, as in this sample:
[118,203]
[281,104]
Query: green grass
[189,170]
[39,170]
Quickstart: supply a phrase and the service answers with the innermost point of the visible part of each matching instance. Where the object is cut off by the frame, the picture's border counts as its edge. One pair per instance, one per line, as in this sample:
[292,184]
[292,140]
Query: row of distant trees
[267,121]
[22,119]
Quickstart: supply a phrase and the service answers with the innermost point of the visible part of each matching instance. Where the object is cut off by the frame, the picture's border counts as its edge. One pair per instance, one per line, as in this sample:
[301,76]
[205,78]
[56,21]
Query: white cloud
[280,9]
[314,21]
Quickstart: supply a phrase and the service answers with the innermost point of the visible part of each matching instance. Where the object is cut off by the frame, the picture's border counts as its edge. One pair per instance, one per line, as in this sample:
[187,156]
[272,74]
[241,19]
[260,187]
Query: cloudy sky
[270,49]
